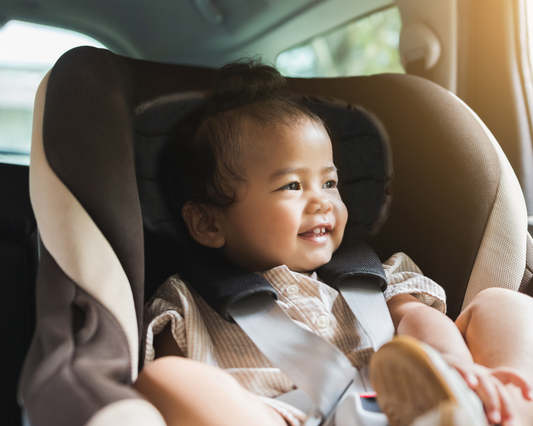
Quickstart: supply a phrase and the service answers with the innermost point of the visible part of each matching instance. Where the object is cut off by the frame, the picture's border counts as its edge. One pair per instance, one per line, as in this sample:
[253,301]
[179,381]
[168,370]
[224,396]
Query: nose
[319,202]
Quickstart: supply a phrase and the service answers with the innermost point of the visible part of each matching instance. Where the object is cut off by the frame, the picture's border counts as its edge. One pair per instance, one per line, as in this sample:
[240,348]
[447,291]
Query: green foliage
[363,47]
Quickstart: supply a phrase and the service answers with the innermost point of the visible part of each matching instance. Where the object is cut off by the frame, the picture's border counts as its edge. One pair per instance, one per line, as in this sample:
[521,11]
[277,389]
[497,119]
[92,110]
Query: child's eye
[293,186]
[330,184]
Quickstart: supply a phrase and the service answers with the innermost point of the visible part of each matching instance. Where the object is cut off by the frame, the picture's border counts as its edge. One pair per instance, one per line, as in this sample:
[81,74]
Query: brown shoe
[447,413]
[411,379]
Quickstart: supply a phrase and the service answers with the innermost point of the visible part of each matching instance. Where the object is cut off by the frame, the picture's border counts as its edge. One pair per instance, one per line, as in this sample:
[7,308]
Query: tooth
[316,230]
[323,230]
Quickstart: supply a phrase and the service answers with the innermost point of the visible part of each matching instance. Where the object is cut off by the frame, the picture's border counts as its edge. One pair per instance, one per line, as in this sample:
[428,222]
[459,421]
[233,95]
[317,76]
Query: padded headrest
[358,153]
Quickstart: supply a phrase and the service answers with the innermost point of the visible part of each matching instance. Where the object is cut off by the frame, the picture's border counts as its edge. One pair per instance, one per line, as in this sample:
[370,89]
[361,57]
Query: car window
[27,52]
[368,45]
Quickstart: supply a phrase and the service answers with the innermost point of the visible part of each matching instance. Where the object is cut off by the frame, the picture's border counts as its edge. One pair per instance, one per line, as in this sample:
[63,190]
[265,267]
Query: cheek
[283,221]
[341,212]
[341,220]
[344,214]
[266,223]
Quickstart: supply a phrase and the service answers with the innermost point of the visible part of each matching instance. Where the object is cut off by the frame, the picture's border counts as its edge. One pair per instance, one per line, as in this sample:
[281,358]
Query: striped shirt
[204,336]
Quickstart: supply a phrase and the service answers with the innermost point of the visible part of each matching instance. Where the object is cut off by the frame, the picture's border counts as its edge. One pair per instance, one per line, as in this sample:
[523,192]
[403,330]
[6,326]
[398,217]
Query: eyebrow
[281,172]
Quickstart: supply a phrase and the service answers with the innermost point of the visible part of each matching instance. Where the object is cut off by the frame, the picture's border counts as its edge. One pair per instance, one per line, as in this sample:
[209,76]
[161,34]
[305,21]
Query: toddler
[257,183]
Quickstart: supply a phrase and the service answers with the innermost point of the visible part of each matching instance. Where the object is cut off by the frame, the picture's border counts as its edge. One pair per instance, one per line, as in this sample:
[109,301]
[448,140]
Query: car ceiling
[203,32]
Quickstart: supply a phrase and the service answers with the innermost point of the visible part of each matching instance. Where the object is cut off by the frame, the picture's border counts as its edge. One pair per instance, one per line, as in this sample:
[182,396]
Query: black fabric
[162,233]
[350,260]
[18,266]
[219,282]
[358,153]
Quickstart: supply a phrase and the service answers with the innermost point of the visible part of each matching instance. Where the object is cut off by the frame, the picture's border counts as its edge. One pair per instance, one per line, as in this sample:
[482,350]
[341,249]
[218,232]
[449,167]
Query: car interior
[455,107]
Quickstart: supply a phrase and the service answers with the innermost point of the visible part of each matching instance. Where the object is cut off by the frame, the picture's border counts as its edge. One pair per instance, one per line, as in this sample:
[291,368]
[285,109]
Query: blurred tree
[366,46]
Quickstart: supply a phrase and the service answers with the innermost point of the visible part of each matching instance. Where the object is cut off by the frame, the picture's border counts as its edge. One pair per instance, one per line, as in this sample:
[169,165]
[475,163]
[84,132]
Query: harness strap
[365,298]
[356,272]
[317,367]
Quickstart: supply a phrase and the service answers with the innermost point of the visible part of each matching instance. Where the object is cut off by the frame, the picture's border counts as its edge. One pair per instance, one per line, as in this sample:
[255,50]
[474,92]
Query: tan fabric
[501,259]
[204,336]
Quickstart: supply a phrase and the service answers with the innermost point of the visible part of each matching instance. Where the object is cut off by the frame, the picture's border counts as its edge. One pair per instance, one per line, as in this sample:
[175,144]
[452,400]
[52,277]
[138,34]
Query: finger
[506,409]
[510,375]
[488,394]
[469,377]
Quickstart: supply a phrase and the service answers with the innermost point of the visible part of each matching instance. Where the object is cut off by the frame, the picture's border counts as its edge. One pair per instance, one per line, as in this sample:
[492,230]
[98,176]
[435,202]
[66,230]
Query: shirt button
[323,321]
[292,289]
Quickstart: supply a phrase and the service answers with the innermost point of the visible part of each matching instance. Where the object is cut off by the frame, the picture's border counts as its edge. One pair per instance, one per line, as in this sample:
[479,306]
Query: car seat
[458,212]
[18,267]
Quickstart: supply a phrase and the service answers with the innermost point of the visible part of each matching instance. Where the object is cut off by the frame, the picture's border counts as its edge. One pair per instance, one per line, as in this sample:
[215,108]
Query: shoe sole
[446,414]
[411,379]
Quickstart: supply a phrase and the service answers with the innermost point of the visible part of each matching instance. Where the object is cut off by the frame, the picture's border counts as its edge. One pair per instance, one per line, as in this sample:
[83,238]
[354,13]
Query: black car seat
[18,267]
[458,212]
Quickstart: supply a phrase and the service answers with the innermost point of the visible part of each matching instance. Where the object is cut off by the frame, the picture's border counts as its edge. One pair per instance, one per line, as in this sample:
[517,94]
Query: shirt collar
[281,276]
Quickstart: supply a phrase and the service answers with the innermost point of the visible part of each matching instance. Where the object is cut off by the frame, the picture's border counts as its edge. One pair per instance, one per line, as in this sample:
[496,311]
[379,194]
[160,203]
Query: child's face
[291,212]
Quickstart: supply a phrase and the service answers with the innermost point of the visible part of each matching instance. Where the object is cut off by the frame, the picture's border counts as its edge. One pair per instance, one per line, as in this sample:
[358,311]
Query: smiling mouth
[319,231]
[320,234]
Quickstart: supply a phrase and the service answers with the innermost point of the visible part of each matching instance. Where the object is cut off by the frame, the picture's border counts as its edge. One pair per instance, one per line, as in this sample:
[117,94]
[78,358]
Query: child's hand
[489,385]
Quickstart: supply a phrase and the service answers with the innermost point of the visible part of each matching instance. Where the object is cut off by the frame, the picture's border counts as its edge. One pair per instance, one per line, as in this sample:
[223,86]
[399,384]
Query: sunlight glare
[22,43]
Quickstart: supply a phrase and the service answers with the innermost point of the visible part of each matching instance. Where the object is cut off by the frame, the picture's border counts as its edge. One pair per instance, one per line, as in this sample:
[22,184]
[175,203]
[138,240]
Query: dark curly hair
[204,169]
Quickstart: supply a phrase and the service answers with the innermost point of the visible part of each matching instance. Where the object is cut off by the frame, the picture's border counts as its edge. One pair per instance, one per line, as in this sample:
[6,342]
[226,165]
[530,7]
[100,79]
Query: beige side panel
[74,240]
[130,412]
[501,259]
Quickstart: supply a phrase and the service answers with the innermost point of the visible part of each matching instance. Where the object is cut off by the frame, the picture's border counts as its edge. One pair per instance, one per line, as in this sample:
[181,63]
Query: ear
[202,225]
